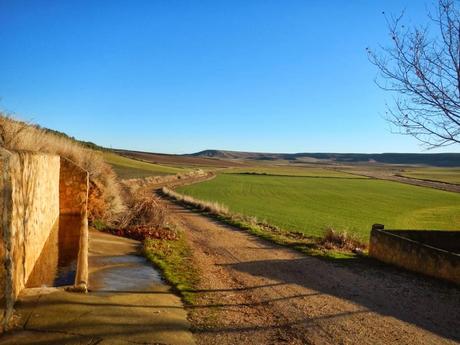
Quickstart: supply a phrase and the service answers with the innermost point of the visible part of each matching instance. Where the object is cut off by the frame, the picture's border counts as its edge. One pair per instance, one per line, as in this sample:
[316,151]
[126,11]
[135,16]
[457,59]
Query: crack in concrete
[79,317]
[31,312]
[93,340]
[144,343]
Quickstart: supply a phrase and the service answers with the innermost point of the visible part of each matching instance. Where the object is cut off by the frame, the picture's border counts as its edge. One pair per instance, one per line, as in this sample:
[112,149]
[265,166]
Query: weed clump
[334,239]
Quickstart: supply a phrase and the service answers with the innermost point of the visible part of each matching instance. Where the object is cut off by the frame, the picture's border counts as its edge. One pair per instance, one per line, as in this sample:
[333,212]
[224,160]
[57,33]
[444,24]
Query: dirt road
[254,292]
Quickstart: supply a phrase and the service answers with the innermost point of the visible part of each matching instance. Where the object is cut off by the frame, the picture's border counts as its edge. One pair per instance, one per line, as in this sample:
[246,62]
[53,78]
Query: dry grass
[105,200]
[204,206]
[155,181]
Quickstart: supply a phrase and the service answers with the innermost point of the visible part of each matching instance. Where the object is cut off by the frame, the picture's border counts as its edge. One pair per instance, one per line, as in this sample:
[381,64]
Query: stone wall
[43,201]
[35,211]
[30,187]
[447,240]
[73,188]
[3,210]
[73,193]
[416,250]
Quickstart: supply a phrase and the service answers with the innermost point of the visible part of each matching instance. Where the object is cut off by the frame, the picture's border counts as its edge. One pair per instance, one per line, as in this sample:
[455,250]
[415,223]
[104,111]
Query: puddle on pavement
[56,265]
[123,273]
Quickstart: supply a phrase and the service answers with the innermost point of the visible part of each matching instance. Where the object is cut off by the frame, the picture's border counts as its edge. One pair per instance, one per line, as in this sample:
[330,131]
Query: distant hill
[432,159]
[179,160]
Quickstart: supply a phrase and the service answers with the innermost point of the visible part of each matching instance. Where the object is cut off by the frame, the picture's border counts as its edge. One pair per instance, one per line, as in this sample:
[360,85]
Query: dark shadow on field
[425,302]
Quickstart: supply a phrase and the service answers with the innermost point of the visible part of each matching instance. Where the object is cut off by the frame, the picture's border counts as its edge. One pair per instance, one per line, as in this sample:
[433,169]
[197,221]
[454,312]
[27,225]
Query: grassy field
[449,175]
[310,204]
[286,170]
[130,168]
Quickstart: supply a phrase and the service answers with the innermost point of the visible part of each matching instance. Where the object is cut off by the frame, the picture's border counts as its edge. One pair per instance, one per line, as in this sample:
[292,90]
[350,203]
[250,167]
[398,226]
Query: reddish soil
[254,292]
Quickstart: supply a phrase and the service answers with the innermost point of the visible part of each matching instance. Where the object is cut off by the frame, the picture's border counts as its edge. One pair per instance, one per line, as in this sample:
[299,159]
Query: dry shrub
[334,239]
[144,217]
[145,211]
[142,232]
[105,202]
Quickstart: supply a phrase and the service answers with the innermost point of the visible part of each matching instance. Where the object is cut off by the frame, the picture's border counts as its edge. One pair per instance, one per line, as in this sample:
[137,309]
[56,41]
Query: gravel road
[255,292]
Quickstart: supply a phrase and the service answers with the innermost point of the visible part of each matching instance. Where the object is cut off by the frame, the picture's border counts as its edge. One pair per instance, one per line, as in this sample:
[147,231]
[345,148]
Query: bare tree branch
[422,69]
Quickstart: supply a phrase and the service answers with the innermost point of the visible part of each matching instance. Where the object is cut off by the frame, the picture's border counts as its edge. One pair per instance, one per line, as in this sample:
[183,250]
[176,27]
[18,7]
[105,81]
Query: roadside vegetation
[174,259]
[146,220]
[333,244]
[311,205]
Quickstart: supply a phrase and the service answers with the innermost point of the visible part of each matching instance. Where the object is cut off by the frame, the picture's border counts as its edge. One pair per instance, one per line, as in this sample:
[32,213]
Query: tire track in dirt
[255,292]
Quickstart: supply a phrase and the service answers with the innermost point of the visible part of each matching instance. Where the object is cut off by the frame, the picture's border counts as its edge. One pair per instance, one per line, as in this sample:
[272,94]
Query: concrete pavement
[127,304]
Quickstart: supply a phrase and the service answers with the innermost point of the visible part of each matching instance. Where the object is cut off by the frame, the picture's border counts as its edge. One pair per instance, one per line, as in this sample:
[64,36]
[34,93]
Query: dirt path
[254,292]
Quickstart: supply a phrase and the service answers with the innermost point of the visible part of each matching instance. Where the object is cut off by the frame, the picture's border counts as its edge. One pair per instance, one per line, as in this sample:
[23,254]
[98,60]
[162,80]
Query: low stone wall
[446,240]
[434,253]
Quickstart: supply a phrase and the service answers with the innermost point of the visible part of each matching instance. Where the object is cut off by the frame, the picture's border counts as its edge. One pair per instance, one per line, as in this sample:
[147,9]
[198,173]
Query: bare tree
[422,70]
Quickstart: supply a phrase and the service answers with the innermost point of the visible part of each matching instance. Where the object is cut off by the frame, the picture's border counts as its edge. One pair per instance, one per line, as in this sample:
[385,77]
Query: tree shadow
[427,303]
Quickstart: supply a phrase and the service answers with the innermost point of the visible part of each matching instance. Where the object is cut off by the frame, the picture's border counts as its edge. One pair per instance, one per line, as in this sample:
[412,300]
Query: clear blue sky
[182,76]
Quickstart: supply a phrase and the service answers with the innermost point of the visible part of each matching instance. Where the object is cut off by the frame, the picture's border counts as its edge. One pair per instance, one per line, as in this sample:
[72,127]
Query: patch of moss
[174,259]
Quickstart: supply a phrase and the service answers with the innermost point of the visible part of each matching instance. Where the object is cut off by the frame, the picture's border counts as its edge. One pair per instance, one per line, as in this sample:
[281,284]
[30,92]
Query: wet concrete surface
[127,272]
[127,303]
[131,275]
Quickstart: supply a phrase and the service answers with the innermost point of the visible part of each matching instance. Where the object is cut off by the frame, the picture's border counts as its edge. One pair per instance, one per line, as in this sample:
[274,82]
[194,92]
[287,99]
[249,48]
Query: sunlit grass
[310,205]
[449,175]
[131,168]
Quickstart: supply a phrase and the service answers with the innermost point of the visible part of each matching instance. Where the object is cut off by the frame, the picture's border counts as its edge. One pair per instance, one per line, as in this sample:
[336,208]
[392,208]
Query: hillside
[431,159]
[176,160]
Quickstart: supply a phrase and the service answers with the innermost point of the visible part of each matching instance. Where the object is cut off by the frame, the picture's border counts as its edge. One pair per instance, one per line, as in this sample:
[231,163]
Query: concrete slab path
[127,304]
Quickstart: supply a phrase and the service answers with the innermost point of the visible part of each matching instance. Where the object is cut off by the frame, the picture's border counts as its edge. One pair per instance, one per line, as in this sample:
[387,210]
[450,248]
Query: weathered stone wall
[396,247]
[2,242]
[73,188]
[447,240]
[73,191]
[30,212]
[39,192]
[35,211]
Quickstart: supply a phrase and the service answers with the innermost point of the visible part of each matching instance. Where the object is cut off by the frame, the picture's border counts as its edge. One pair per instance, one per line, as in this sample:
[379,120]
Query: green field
[449,175]
[131,168]
[310,204]
[287,170]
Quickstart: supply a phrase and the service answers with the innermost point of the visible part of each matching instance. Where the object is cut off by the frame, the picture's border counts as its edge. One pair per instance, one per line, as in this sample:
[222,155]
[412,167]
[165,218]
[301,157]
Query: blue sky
[183,76]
